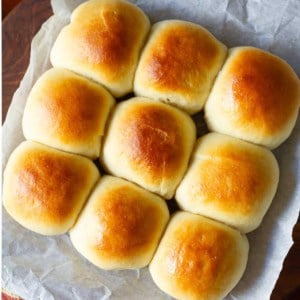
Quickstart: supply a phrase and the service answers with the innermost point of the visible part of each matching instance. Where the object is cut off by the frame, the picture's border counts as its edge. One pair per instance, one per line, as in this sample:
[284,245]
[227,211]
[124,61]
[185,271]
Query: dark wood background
[20,23]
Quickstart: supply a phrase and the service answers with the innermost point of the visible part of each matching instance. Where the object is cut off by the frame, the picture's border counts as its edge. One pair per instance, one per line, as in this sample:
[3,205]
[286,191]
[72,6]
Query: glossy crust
[229,180]
[198,258]
[44,189]
[120,226]
[103,42]
[149,143]
[179,64]
[68,112]
[256,97]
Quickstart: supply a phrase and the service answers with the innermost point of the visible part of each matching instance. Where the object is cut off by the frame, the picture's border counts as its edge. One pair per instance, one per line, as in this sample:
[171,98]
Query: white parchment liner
[39,267]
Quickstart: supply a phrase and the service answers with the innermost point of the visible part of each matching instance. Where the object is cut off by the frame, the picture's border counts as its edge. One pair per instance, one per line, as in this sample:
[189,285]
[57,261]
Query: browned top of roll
[180,56]
[120,225]
[154,138]
[198,258]
[108,33]
[234,176]
[129,224]
[264,89]
[200,254]
[149,143]
[45,188]
[66,107]
[77,106]
[102,42]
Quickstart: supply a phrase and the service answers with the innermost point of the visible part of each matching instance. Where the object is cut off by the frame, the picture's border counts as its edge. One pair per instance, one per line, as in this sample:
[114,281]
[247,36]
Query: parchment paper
[38,267]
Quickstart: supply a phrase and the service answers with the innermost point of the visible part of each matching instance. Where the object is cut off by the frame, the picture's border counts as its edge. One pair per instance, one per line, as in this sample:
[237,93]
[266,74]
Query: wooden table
[18,29]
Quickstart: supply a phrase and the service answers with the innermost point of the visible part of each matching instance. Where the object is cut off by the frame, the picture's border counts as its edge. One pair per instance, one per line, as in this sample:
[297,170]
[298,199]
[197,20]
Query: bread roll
[198,258]
[120,226]
[179,64]
[149,143]
[103,42]
[256,98]
[44,189]
[68,112]
[229,180]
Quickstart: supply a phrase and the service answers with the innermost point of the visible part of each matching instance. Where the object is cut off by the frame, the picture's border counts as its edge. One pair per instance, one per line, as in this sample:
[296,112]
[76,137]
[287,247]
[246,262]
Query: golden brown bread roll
[149,143]
[103,42]
[256,97]
[198,258]
[120,225]
[68,112]
[229,180]
[178,64]
[44,189]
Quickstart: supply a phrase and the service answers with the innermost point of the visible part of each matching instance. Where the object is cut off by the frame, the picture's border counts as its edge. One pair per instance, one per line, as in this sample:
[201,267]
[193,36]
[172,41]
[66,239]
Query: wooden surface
[7,6]
[18,28]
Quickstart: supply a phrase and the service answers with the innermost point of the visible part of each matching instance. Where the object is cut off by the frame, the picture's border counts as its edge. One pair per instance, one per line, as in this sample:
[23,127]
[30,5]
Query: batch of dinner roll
[223,181]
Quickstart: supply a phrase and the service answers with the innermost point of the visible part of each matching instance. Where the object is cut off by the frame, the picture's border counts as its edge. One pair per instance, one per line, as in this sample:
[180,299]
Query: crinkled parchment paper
[38,267]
